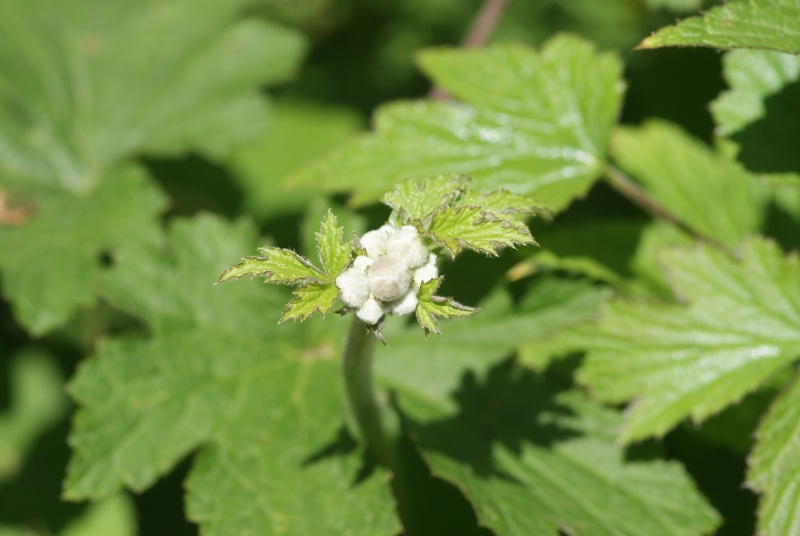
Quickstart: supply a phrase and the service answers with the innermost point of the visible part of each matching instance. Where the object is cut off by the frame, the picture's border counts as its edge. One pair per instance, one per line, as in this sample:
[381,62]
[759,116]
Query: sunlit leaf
[741,324]
[770,24]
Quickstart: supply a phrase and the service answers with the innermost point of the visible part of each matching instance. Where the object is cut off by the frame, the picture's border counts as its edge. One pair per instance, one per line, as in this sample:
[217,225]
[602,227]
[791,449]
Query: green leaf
[752,76]
[277,265]
[260,403]
[419,199]
[430,306]
[115,516]
[77,97]
[298,131]
[774,465]
[334,254]
[675,5]
[532,122]
[770,24]
[759,112]
[705,190]
[532,457]
[461,226]
[36,402]
[504,204]
[310,299]
[740,326]
[73,234]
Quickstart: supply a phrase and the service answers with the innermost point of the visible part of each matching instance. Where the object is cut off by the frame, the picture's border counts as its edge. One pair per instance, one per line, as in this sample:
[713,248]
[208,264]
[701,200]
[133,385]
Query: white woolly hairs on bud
[353,287]
[406,244]
[389,278]
[371,312]
[375,242]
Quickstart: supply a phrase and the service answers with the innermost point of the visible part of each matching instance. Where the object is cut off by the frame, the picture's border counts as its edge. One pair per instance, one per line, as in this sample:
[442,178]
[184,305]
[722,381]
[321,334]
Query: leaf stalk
[361,401]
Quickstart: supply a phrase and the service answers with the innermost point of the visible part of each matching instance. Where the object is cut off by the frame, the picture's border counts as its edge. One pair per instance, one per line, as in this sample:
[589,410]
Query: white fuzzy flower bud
[375,241]
[388,278]
[407,304]
[353,287]
[406,244]
[371,312]
[427,272]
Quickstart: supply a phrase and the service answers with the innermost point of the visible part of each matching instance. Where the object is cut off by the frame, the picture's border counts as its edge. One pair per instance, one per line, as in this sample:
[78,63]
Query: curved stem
[362,404]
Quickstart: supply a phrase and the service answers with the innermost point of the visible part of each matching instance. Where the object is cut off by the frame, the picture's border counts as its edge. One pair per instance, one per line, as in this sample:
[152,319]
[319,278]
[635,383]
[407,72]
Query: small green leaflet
[770,24]
[454,216]
[416,201]
[317,290]
[775,465]
[454,228]
[430,306]
[741,324]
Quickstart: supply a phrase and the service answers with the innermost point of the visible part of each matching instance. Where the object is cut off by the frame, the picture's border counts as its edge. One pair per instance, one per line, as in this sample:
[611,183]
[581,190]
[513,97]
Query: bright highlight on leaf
[741,325]
[770,24]
[525,125]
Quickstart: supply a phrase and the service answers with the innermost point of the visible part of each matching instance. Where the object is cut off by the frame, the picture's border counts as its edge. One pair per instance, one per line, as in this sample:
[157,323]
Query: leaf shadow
[342,445]
[768,144]
[512,406]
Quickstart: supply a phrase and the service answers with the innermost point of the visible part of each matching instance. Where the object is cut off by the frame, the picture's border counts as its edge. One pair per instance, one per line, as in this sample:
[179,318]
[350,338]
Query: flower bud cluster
[388,277]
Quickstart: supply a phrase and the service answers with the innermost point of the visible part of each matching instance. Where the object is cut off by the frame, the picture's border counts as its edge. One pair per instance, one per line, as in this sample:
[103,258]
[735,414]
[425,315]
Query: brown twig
[481,28]
[631,190]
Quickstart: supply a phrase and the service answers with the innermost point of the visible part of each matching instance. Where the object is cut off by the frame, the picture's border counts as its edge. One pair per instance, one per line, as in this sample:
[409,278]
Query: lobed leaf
[74,234]
[258,403]
[774,465]
[310,299]
[454,228]
[417,200]
[430,306]
[532,122]
[278,265]
[531,455]
[770,24]
[704,189]
[740,326]
[334,254]
[71,77]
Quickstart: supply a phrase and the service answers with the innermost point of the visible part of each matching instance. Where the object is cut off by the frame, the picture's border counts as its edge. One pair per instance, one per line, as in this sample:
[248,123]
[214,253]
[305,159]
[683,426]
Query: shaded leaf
[36,402]
[770,24]
[78,98]
[531,457]
[741,325]
[73,234]
[261,403]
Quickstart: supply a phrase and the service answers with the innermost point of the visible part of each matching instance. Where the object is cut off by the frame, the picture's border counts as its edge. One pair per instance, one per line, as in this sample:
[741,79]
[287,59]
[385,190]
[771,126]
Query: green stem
[362,404]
